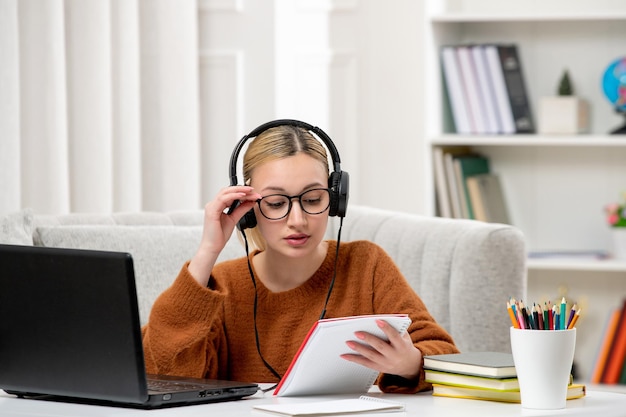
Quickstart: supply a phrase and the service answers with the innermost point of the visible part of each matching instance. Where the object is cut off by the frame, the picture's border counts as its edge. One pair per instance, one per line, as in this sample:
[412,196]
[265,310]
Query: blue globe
[614,84]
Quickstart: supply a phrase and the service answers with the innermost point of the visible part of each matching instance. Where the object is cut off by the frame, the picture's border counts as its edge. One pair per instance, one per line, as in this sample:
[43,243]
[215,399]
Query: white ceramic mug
[543,362]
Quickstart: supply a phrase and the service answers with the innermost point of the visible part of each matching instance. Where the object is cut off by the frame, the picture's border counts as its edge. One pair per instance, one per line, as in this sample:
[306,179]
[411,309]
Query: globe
[614,87]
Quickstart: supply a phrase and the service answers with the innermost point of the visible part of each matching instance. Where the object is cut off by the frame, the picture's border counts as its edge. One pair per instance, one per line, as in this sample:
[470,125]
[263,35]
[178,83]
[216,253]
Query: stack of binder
[486,89]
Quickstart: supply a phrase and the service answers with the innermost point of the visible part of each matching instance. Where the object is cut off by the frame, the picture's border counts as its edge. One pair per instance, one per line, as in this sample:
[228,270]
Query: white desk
[596,403]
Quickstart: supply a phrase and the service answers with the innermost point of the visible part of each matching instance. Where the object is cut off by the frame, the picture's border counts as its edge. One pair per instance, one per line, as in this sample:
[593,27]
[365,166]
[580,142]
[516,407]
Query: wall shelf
[555,186]
[531,140]
[596,16]
[569,264]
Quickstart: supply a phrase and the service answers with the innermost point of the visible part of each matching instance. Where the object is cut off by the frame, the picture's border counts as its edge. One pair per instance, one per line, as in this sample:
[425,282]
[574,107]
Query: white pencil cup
[543,362]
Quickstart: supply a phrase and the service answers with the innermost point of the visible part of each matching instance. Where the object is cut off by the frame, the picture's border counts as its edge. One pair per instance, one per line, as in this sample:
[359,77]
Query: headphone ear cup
[248,221]
[338,183]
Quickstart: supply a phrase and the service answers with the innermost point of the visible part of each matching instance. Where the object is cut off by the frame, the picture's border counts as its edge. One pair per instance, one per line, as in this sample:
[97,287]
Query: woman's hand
[219,226]
[398,356]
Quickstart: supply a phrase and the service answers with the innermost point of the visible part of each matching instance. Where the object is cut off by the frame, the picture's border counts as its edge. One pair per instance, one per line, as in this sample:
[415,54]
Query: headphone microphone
[338,180]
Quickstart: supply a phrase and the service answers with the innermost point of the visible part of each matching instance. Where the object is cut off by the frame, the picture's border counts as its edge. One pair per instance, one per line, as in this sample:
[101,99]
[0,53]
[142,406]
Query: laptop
[70,331]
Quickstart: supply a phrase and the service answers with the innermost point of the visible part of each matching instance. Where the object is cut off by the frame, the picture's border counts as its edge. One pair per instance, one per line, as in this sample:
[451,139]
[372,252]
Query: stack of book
[486,89]
[465,186]
[479,375]
[610,365]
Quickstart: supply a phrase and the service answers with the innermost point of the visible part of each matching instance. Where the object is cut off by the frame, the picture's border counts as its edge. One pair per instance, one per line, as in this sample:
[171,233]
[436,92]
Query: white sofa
[464,270]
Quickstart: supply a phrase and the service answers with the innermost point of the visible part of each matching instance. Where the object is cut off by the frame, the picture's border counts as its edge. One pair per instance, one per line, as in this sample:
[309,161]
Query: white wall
[141,101]
[351,67]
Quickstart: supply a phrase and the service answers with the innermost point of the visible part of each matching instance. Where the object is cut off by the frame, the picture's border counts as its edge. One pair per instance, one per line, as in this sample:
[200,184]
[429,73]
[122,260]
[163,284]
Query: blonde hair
[277,143]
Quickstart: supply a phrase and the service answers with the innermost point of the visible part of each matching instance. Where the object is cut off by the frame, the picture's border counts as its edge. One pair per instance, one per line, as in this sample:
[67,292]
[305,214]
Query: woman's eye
[312,201]
[274,204]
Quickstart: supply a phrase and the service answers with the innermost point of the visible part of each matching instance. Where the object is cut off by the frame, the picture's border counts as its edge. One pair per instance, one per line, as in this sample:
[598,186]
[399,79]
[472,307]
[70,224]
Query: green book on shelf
[485,364]
[466,166]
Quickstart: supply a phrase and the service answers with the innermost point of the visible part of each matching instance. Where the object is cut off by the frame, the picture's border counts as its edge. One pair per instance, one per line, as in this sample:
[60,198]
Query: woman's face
[298,234]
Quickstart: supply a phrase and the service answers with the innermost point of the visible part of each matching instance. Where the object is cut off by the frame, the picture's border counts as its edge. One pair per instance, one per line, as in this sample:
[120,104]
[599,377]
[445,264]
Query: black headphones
[338,181]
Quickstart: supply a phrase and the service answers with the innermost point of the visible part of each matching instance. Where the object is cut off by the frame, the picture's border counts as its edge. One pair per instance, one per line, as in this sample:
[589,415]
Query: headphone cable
[256,297]
[332,282]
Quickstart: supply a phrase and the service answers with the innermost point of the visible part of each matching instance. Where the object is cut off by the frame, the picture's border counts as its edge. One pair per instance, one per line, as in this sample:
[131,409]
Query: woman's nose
[296,215]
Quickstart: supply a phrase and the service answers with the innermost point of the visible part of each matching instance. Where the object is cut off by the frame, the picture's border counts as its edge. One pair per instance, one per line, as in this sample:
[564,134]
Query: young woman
[244,319]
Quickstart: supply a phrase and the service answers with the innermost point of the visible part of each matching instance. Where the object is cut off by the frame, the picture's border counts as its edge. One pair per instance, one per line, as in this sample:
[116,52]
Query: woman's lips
[297,239]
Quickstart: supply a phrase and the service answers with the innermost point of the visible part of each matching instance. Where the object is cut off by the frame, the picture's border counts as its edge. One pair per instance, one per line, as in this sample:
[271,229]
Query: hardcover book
[617,352]
[466,166]
[471,381]
[487,198]
[485,364]
[442,186]
[573,391]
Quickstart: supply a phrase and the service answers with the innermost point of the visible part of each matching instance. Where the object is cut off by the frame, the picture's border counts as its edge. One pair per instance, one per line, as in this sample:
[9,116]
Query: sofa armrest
[464,270]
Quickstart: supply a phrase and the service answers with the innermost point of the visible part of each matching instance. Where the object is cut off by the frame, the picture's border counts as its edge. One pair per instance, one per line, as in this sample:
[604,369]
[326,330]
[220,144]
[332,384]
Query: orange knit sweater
[209,332]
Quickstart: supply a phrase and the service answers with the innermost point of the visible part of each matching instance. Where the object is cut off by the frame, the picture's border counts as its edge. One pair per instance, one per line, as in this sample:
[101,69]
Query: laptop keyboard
[171,386]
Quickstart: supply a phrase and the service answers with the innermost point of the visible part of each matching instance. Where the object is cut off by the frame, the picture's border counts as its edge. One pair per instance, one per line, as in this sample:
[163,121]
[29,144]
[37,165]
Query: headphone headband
[338,181]
[332,149]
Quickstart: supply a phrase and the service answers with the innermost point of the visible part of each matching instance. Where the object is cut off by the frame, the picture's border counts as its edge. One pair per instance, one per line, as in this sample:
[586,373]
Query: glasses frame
[290,200]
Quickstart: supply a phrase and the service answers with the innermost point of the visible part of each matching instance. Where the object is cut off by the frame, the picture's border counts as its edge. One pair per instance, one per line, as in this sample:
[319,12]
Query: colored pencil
[535,316]
[563,314]
[573,321]
[512,315]
[549,317]
[571,315]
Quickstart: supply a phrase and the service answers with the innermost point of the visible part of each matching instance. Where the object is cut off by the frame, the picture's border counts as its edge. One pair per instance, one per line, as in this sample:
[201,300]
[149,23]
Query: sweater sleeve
[185,330]
[393,294]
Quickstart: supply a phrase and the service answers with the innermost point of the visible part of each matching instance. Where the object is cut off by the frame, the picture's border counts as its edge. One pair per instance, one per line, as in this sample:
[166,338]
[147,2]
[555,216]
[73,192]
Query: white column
[88,43]
[169,110]
[126,123]
[45,180]
[9,108]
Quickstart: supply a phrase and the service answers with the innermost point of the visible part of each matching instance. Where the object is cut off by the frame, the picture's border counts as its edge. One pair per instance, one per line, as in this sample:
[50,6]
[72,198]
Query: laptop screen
[70,324]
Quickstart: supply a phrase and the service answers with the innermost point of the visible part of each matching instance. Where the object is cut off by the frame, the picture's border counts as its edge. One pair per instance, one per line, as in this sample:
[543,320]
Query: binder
[485,84]
[516,88]
[501,96]
[455,89]
[476,109]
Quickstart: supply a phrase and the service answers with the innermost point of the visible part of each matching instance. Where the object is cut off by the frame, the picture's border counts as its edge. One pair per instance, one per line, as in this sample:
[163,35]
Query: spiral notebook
[324,344]
[362,404]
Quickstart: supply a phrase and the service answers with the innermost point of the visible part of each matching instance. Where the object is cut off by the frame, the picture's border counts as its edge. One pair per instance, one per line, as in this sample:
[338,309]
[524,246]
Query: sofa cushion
[158,251]
[16,228]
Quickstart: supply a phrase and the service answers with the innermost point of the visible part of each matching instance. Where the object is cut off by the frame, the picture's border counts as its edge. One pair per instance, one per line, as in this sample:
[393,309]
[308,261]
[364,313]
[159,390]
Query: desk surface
[595,403]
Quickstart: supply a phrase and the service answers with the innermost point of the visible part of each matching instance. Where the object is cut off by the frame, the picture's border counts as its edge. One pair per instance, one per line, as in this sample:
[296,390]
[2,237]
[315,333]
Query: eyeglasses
[278,206]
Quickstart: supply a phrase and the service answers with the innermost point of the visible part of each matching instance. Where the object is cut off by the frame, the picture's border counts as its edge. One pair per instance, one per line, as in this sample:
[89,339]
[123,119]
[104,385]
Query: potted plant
[616,219]
[564,113]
